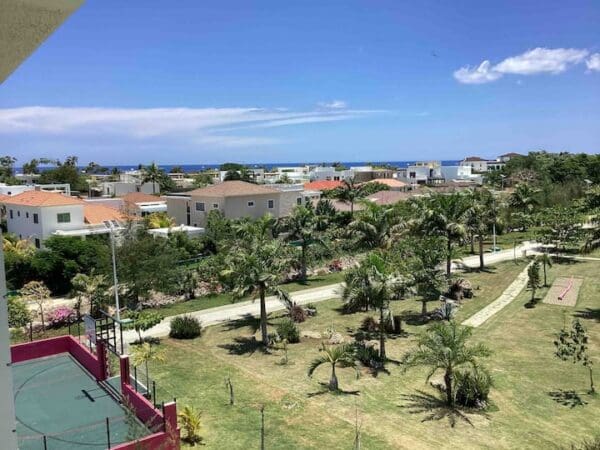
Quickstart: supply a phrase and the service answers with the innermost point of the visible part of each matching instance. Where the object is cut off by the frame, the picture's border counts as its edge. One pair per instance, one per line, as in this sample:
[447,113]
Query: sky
[192,82]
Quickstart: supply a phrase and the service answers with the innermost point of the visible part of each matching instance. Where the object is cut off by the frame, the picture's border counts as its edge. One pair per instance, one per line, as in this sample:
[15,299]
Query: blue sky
[272,81]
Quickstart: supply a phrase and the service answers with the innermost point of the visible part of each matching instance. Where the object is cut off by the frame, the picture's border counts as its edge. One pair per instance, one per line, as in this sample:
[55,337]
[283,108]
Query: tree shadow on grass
[247,320]
[245,345]
[436,408]
[532,303]
[414,318]
[588,314]
[567,398]
[324,389]
[486,269]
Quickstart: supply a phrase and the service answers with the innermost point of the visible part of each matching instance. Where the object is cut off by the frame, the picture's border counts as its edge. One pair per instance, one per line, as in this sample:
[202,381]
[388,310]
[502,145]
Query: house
[392,183]
[12,189]
[384,198]
[234,199]
[460,173]
[508,156]
[139,204]
[120,188]
[322,185]
[480,165]
[367,173]
[421,172]
[329,173]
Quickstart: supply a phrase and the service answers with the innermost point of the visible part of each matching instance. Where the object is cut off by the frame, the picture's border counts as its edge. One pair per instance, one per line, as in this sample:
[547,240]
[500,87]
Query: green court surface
[57,398]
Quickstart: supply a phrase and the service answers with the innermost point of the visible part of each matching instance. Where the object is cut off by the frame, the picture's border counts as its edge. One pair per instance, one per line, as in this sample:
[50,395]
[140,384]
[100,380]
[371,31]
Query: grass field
[526,410]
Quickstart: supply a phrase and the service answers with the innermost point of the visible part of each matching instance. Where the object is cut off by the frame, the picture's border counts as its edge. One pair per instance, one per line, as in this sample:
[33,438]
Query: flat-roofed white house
[235,199]
[37,215]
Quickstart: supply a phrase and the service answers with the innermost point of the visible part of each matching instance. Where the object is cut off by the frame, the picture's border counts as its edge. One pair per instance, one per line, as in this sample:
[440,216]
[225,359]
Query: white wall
[22,223]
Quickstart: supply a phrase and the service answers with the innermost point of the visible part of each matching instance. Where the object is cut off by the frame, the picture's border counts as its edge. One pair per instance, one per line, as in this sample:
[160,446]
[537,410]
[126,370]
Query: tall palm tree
[444,346]
[348,192]
[152,174]
[145,353]
[377,226]
[444,215]
[338,355]
[255,268]
[480,217]
[301,228]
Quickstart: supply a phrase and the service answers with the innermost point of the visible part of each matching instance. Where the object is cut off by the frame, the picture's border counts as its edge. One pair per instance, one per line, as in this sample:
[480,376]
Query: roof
[97,213]
[389,197]
[232,189]
[4,197]
[42,198]
[510,155]
[323,185]
[140,197]
[391,182]
[474,158]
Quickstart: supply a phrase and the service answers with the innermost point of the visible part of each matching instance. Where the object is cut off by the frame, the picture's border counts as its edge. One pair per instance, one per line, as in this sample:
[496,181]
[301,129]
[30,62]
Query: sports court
[57,398]
[564,291]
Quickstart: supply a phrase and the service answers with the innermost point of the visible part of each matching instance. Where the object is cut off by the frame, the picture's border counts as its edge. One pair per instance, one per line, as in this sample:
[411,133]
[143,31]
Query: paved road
[235,311]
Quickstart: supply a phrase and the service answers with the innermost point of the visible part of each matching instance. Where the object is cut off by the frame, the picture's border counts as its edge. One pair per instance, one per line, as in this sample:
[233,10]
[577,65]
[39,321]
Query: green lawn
[300,416]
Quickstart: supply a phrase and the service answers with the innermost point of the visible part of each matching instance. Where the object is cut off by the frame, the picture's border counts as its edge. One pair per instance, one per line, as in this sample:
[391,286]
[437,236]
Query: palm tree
[523,200]
[480,217]
[301,228]
[444,346]
[254,269]
[545,259]
[145,353]
[152,174]
[90,287]
[191,422]
[377,226]
[592,235]
[159,220]
[348,192]
[20,247]
[444,215]
[342,355]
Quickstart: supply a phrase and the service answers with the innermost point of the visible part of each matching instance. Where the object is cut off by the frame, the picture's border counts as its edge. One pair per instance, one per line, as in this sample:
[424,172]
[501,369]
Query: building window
[37,243]
[11,213]
[18,213]
[36,218]
[299,201]
[271,204]
[215,206]
[200,206]
[27,215]
[63,217]
[251,204]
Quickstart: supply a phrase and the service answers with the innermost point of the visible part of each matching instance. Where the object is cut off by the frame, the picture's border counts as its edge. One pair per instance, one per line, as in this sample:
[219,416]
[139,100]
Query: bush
[185,327]
[367,355]
[297,313]
[287,329]
[61,316]
[18,312]
[369,324]
[311,309]
[472,387]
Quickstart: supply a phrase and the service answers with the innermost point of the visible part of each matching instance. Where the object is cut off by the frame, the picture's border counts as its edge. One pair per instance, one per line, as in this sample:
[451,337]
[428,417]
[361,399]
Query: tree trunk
[148,381]
[352,207]
[449,258]
[303,263]
[381,334]
[532,294]
[423,307]
[481,263]
[545,282]
[333,381]
[592,388]
[448,377]
[472,239]
[263,316]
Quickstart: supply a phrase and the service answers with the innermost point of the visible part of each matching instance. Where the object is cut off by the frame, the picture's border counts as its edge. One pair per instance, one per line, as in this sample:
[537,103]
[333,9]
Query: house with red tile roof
[322,185]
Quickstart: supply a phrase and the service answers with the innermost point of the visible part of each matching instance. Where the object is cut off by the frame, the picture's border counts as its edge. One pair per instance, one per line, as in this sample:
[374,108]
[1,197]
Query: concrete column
[8,433]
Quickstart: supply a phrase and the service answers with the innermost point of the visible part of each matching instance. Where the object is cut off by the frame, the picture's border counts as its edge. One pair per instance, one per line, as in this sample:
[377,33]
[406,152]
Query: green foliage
[144,320]
[342,355]
[534,278]
[572,345]
[472,387]
[202,180]
[66,172]
[7,169]
[185,327]
[190,421]
[288,330]
[18,312]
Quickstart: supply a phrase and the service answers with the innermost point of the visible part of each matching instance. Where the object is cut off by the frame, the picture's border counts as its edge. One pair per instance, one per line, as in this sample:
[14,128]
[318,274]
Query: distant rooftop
[232,189]
[323,185]
[42,198]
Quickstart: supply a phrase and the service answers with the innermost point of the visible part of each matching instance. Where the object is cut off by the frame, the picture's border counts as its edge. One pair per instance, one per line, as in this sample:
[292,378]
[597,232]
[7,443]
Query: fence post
[108,432]
[154,392]
[135,377]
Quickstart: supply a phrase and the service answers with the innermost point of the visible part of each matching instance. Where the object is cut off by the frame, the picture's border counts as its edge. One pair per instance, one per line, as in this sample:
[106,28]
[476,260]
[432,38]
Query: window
[37,243]
[200,206]
[299,201]
[251,204]
[11,213]
[18,213]
[63,217]
[271,204]
[27,215]
[36,218]
[215,206]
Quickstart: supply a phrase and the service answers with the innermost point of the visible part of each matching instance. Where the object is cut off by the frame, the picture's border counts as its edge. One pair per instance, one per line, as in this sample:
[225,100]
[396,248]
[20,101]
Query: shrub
[311,309]
[368,355]
[61,316]
[297,313]
[18,312]
[190,421]
[185,327]
[369,324]
[472,387]
[287,329]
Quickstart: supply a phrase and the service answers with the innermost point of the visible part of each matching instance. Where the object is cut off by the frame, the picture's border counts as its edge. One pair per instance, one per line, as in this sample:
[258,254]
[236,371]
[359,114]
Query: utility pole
[114,264]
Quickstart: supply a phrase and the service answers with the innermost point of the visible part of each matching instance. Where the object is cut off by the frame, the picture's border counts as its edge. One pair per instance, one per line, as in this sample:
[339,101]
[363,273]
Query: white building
[460,173]
[14,189]
[422,172]
[328,173]
[480,165]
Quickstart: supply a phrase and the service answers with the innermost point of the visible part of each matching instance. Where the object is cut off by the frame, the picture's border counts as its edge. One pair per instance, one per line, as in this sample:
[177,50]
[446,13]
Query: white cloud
[538,60]
[593,63]
[334,104]
[477,75]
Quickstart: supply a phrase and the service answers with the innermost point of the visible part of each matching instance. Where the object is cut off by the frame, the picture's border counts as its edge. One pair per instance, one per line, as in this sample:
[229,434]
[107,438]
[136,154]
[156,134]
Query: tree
[533,278]
[31,167]
[191,422]
[301,229]
[348,192]
[18,312]
[159,220]
[7,169]
[524,199]
[480,218]
[202,180]
[152,174]
[144,320]
[255,267]
[145,353]
[338,355]
[444,346]
[444,215]
[573,345]
[561,227]
[546,260]
[22,248]
[37,292]
[177,169]
[377,226]
[93,288]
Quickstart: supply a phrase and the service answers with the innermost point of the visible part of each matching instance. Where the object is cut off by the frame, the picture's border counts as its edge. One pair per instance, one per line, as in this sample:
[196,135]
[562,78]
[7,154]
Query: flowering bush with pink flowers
[60,316]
